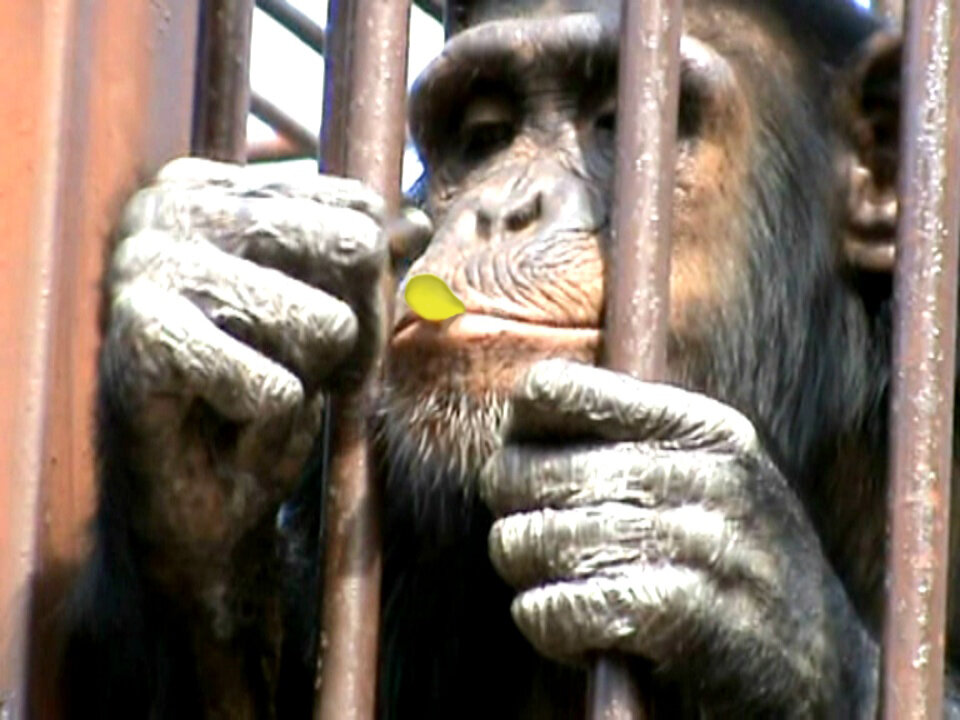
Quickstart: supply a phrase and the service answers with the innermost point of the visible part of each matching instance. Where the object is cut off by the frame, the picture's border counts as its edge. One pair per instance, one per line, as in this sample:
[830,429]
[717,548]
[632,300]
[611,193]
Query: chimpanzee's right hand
[233,302]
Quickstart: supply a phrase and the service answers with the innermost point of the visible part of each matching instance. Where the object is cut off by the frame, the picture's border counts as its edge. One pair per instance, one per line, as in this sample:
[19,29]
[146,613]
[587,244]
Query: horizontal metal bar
[433,8]
[312,34]
[307,143]
[276,149]
[305,29]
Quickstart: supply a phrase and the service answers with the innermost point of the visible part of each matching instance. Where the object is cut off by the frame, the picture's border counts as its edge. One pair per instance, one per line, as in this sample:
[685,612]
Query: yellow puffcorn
[430,298]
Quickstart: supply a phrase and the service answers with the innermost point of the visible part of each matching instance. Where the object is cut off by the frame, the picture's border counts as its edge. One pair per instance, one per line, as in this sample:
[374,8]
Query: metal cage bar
[924,362]
[223,80]
[637,284]
[98,96]
[299,24]
[286,127]
[363,136]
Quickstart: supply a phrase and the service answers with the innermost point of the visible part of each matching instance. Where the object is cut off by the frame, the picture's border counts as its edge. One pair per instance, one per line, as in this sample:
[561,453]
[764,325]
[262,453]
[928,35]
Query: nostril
[525,215]
[484,224]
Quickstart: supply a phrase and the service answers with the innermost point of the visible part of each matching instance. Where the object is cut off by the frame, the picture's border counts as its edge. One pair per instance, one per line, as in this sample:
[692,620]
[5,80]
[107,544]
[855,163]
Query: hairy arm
[233,301]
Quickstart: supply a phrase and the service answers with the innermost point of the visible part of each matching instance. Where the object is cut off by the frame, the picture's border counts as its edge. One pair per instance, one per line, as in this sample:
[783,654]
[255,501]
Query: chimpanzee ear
[870,110]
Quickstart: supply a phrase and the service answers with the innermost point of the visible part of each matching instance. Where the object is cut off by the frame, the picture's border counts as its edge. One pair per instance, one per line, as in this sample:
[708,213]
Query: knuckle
[530,610]
[319,335]
[342,328]
[515,544]
[139,213]
[408,235]
[355,194]
[551,620]
[725,419]
[177,210]
[194,171]
[134,361]
[132,312]
[279,393]
[490,483]
[361,242]
[497,550]
[137,256]
[545,376]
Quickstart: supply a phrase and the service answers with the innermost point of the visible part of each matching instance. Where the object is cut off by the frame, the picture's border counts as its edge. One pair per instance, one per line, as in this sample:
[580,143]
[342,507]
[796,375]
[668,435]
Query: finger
[305,329]
[271,181]
[164,348]
[528,476]
[408,236]
[163,345]
[559,398]
[279,447]
[545,546]
[646,610]
[337,248]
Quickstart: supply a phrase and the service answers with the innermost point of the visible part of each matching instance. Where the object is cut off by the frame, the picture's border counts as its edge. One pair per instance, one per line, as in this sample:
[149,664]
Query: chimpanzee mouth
[475,355]
[472,328]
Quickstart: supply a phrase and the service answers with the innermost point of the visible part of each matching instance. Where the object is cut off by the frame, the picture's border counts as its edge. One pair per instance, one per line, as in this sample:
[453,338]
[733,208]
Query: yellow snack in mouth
[430,298]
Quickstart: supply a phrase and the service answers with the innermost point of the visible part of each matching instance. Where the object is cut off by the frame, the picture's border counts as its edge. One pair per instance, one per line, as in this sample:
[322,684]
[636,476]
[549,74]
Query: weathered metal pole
[637,284]
[924,363]
[362,137]
[222,96]
[96,97]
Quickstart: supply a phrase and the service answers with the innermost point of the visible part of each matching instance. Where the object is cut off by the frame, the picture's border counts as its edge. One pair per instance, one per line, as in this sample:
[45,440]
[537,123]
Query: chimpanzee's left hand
[649,519]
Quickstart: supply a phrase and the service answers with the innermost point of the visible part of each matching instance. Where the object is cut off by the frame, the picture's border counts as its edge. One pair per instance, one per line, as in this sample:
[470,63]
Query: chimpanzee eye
[688,121]
[488,125]
[607,121]
[484,139]
[690,116]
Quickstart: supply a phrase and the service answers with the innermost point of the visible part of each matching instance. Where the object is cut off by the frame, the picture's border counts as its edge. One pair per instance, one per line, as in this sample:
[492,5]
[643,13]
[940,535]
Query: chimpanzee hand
[233,300]
[648,519]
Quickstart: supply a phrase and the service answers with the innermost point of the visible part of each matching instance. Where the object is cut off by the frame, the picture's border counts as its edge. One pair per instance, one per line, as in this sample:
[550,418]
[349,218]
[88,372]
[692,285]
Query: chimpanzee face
[515,123]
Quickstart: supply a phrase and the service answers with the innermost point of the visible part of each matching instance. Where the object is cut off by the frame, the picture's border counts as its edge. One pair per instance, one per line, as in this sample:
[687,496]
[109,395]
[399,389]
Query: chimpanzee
[723,530]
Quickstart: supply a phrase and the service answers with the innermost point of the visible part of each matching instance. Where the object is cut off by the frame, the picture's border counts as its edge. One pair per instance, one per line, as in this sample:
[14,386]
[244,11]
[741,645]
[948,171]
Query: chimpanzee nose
[555,199]
[513,215]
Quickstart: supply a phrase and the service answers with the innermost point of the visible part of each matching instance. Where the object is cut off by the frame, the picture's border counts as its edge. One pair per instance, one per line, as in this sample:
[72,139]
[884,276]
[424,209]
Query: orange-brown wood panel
[96,95]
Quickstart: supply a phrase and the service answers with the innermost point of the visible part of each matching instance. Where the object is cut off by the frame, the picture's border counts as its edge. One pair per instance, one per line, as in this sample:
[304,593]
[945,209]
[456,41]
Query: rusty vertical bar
[637,284]
[365,91]
[222,96]
[924,362]
[97,96]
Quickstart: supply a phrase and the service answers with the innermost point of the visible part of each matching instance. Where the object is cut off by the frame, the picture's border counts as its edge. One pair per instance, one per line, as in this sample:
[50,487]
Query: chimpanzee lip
[475,326]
